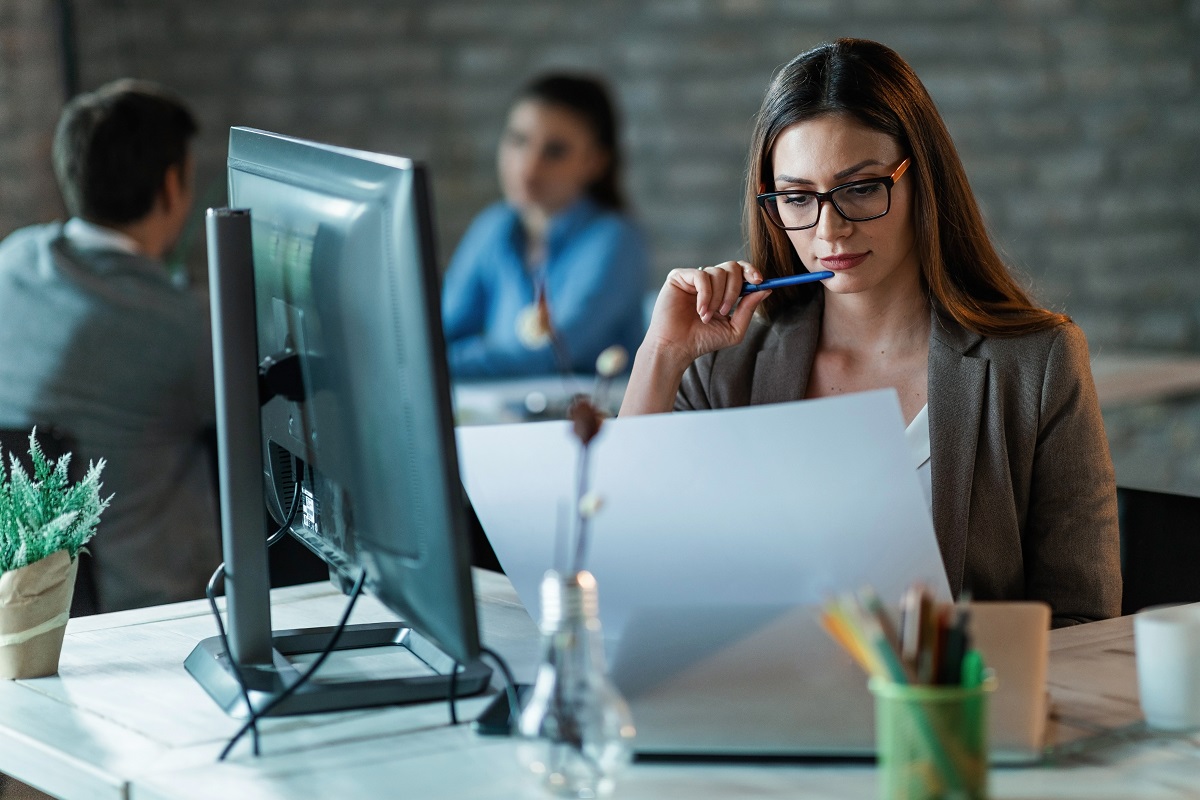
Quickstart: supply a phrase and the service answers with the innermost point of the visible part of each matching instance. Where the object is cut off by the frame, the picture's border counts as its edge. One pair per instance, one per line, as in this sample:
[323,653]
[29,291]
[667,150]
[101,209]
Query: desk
[123,720]
[1122,379]
[489,402]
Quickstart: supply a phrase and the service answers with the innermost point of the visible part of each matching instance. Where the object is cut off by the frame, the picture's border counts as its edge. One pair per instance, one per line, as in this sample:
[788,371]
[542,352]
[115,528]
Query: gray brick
[1104,122]
[1039,211]
[275,67]
[1124,10]
[1042,8]
[959,42]
[1163,329]
[348,21]
[716,50]
[997,168]
[1113,261]
[484,60]
[1070,170]
[672,11]
[250,24]
[908,9]
[1164,77]
[684,180]
[1156,161]
[729,97]
[517,20]
[570,56]
[742,8]
[1027,128]
[1077,121]
[970,87]
[1142,205]
[406,101]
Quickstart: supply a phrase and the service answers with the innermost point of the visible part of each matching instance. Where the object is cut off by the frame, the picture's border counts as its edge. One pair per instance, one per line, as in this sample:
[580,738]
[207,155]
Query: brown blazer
[1024,497]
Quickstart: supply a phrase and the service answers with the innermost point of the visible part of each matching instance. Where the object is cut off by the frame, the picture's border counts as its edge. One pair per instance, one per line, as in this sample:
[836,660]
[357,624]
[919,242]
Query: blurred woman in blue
[561,230]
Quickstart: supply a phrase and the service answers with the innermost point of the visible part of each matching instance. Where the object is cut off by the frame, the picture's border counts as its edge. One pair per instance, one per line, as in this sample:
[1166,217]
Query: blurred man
[97,340]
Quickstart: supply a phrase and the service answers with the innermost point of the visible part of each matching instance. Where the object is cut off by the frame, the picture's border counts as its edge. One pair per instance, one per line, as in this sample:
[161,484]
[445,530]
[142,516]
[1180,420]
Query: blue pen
[789,280]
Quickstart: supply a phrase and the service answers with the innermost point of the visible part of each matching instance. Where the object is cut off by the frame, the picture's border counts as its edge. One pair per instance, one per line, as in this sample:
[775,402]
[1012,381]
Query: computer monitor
[334,332]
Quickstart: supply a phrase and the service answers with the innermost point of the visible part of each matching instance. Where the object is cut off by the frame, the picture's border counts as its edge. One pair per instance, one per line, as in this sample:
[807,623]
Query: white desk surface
[490,402]
[124,720]
[1122,379]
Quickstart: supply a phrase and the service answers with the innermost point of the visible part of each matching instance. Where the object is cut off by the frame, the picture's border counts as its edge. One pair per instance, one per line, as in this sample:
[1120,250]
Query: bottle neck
[571,632]
[568,600]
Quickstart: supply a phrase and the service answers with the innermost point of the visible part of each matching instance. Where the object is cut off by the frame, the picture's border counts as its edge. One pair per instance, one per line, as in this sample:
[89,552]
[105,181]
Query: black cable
[210,591]
[256,714]
[510,685]
[453,698]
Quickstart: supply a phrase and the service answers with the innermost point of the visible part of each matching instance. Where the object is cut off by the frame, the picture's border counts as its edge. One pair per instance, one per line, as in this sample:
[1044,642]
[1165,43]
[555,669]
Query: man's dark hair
[113,146]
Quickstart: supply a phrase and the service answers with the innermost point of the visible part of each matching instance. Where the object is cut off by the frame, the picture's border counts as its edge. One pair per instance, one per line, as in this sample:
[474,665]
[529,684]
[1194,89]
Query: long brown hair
[964,275]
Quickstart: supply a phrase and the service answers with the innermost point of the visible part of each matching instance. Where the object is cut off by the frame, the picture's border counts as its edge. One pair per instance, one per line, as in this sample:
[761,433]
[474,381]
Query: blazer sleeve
[693,389]
[1072,542]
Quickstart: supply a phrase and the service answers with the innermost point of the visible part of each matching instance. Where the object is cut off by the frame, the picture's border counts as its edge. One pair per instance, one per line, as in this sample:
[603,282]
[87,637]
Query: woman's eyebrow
[870,162]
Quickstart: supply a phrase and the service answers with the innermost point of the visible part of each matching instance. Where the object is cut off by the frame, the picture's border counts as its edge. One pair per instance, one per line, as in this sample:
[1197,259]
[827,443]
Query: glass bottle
[576,729]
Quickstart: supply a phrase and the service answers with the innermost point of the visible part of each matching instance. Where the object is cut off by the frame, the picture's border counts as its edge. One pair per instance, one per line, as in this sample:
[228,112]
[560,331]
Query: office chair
[1160,548]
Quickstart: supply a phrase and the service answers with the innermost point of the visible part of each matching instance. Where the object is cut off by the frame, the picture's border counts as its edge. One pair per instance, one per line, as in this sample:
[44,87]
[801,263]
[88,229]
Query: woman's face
[548,157]
[826,152]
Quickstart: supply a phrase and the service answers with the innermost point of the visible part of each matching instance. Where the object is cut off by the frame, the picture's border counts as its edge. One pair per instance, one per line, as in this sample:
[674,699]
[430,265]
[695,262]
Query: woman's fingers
[724,315]
[704,290]
[740,322]
[734,278]
[749,273]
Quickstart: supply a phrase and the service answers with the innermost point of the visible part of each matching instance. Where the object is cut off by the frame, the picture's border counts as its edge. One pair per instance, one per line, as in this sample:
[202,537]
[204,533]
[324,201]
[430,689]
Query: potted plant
[44,521]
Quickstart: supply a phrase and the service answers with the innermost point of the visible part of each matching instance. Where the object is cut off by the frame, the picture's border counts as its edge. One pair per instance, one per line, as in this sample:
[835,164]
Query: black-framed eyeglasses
[857,201]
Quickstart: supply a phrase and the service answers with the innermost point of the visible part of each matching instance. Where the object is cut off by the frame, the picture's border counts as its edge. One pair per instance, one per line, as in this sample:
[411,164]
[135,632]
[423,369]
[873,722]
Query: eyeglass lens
[857,202]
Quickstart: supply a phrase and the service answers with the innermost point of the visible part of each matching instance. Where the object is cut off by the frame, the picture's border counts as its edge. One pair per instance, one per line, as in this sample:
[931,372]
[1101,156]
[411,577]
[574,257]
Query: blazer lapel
[782,366]
[957,382]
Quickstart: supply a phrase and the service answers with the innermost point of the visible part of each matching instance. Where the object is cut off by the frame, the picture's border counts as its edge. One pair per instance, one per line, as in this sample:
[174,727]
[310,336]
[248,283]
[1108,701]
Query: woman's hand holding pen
[698,311]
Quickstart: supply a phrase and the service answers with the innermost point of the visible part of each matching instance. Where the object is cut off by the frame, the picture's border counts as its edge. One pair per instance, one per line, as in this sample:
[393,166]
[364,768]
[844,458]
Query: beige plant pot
[35,602]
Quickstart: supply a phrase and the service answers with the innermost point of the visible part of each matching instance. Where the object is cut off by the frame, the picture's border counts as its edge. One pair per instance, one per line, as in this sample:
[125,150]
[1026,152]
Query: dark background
[1078,121]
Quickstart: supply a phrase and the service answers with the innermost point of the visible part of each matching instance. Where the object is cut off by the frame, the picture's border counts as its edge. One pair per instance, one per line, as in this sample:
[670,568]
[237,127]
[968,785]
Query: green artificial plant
[42,514]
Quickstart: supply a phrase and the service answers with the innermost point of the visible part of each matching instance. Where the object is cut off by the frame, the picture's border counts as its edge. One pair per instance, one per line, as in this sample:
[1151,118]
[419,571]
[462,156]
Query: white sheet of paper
[768,505]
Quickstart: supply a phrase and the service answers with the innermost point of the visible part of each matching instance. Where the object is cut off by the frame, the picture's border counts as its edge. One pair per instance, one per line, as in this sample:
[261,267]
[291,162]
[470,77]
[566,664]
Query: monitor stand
[374,664]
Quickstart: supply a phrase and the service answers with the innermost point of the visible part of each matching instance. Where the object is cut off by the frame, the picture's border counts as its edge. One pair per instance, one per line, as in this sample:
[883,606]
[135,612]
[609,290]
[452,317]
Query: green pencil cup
[931,741]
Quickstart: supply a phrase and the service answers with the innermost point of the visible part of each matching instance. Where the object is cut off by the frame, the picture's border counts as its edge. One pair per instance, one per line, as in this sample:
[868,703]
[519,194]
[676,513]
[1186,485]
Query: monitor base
[401,667]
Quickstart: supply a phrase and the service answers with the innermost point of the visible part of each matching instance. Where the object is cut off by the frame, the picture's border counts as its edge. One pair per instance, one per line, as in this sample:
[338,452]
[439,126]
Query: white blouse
[917,434]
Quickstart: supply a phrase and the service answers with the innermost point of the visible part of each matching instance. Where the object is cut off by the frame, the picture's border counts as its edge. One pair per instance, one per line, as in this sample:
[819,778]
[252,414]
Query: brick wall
[1079,122]
[31,95]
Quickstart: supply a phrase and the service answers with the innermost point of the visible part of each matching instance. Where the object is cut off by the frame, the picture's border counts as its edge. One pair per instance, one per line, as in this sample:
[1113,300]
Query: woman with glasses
[853,172]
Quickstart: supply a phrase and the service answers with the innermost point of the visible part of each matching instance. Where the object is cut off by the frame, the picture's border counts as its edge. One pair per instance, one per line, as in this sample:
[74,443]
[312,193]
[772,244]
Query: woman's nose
[830,222]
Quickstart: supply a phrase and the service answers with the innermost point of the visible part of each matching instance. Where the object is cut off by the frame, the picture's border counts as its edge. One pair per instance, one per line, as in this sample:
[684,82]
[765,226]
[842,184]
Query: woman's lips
[843,261]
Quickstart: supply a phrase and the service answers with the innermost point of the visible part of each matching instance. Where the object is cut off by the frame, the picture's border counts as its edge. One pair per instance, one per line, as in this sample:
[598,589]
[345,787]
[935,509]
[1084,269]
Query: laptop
[721,534]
